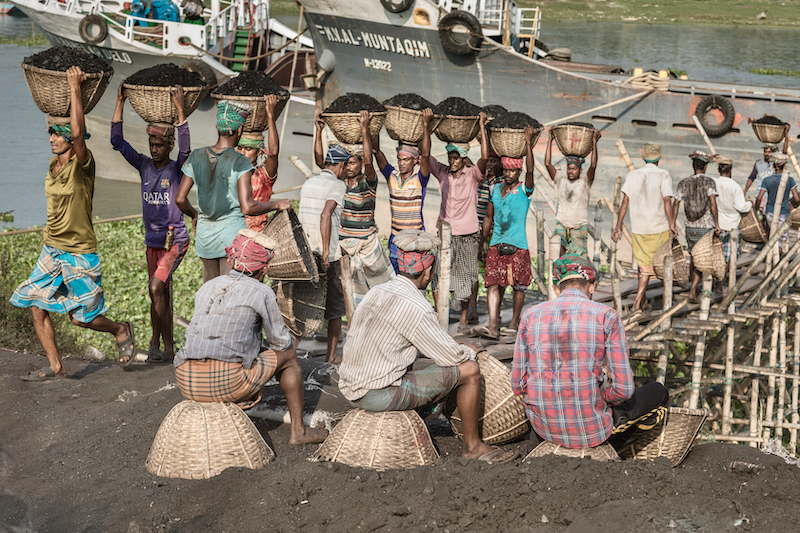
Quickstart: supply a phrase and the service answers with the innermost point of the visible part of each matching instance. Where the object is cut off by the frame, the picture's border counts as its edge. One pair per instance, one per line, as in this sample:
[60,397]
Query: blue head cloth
[336,154]
[65,130]
[460,150]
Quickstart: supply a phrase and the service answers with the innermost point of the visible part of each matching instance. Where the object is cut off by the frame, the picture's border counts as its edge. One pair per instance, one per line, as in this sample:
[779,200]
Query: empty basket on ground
[154,104]
[508,142]
[405,125]
[302,305]
[503,418]
[680,270]
[50,89]
[380,441]
[455,129]
[708,257]
[200,440]
[573,139]
[347,128]
[257,121]
[752,228]
[671,438]
[293,259]
[604,452]
[768,133]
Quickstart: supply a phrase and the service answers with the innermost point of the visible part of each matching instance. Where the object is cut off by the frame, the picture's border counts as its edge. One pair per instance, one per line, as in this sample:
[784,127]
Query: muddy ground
[72,456]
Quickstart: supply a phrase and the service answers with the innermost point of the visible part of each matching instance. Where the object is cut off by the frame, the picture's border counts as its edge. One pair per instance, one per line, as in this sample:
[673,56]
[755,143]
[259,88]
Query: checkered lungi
[574,240]
[781,220]
[417,389]
[464,265]
[64,282]
[725,238]
[693,235]
[212,380]
[369,265]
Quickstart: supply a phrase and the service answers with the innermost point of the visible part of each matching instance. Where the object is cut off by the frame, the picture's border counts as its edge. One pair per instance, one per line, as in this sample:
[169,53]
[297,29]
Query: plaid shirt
[558,359]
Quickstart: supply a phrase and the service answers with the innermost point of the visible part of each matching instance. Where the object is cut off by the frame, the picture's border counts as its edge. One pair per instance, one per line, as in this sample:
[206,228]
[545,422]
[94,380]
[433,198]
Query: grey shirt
[229,315]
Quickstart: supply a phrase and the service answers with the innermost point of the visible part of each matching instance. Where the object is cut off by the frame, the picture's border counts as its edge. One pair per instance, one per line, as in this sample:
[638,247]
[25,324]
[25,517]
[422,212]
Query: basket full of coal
[574,138]
[461,121]
[769,129]
[342,117]
[507,133]
[250,87]
[404,117]
[149,92]
[46,76]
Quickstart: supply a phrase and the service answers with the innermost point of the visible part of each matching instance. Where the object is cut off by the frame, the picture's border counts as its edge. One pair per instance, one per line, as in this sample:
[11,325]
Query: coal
[165,75]
[251,83]
[355,102]
[458,107]
[769,119]
[411,101]
[514,120]
[60,58]
[582,124]
[494,110]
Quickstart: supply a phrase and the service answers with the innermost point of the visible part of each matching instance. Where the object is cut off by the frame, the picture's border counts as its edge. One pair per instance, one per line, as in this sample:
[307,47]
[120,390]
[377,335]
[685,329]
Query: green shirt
[69,206]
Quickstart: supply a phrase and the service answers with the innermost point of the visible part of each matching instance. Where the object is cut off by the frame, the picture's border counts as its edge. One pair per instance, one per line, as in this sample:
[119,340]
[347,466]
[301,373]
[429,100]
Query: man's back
[694,192]
[316,191]
[771,184]
[646,188]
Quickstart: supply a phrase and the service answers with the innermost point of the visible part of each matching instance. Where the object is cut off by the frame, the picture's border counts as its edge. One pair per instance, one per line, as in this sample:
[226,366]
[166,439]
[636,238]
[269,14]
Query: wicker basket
[154,104]
[795,218]
[573,140]
[200,440]
[671,438]
[708,257]
[454,129]
[380,441]
[61,121]
[680,269]
[768,133]
[293,260]
[302,305]
[257,121]
[347,128]
[508,142]
[50,89]
[503,418]
[604,452]
[753,229]
[405,125]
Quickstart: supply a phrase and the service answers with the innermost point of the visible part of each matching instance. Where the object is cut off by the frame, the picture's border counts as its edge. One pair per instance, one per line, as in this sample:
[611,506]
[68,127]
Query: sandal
[498,456]
[484,332]
[127,348]
[156,356]
[49,375]
[465,330]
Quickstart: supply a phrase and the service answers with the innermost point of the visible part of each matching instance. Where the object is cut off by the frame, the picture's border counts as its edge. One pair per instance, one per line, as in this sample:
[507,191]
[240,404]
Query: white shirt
[646,189]
[573,200]
[731,204]
[316,191]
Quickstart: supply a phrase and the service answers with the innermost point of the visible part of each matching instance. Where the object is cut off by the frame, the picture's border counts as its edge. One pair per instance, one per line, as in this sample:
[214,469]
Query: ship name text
[387,43]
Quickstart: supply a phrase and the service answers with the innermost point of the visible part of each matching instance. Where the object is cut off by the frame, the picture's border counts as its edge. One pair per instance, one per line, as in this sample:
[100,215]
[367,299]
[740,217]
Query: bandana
[336,154]
[163,131]
[722,160]
[705,157]
[779,158]
[651,152]
[414,262]
[511,163]
[407,151]
[461,149]
[65,130]
[252,140]
[573,266]
[415,240]
[232,115]
[248,252]
[773,147]
[575,160]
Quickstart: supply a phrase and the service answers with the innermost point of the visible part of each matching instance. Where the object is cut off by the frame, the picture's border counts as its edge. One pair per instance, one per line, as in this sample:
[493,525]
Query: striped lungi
[64,282]
[464,265]
[212,380]
[369,265]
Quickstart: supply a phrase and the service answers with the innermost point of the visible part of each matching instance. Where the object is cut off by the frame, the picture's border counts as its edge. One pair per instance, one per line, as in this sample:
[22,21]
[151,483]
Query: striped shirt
[358,212]
[316,191]
[406,199]
[393,325]
[483,196]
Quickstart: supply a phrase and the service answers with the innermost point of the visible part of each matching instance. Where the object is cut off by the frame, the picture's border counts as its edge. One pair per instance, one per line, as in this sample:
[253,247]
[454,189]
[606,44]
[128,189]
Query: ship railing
[70,6]
[238,14]
[164,36]
[502,17]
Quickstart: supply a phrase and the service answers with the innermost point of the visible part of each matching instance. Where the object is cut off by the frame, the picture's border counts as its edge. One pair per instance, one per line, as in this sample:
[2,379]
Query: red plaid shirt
[557,369]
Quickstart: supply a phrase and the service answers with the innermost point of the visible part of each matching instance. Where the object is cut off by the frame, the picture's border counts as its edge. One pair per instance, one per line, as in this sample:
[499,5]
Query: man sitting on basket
[222,359]
[391,328]
[561,349]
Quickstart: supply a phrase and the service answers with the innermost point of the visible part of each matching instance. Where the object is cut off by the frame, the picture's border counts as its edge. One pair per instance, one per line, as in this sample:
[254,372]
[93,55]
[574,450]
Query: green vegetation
[775,72]
[7,216]
[36,39]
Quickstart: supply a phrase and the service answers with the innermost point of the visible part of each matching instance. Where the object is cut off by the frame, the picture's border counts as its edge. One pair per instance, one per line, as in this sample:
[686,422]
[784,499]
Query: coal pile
[354,103]
[251,83]
[165,75]
[60,58]
[582,124]
[411,101]
[769,119]
[494,110]
[514,120]
[458,107]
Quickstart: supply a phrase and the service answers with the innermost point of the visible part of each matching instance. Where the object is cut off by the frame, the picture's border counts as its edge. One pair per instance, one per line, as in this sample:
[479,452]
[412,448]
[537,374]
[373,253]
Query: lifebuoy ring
[93,29]
[396,6]
[721,104]
[204,70]
[460,33]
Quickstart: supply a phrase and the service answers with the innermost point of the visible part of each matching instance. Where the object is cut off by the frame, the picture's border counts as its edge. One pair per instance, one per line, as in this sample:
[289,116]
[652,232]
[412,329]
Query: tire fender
[93,20]
[723,105]
[205,71]
[454,38]
[396,6]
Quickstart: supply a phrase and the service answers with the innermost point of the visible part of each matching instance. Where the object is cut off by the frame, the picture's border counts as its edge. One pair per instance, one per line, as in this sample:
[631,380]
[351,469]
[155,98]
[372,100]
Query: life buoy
[396,6]
[93,29]
[205,71]
[721,104]
[460,33]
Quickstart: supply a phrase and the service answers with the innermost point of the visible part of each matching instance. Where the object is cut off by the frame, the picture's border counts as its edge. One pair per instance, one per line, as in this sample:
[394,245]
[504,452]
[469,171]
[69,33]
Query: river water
[718,53]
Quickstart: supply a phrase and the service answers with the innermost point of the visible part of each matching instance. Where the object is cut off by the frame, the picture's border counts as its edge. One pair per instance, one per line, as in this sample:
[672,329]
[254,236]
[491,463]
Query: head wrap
[492,154]
[164,131]
[722,160]
[651,152]
[462,149]
[414,250]
[252,140]
[232,115]
[700,155]
[575,160]
[573,266]
[65,130]
[414,262]
[511,163]
[405,150]
[250,251]
[778,158]
[773,147]
[336,154]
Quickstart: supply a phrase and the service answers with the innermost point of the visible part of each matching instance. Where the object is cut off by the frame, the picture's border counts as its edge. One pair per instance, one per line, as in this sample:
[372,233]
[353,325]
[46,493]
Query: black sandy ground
[72,456]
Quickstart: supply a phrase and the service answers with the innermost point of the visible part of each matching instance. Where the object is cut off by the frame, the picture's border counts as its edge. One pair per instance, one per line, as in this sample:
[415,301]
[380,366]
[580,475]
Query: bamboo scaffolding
[613,259]
[754,386]
[443,294]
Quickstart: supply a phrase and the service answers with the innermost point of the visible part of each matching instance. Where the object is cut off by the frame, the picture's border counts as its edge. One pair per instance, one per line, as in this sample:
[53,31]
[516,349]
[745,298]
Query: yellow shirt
[69,206]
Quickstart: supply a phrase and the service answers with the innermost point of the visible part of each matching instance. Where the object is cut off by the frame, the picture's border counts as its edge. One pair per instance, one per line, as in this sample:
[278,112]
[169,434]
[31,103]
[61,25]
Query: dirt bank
[72,456]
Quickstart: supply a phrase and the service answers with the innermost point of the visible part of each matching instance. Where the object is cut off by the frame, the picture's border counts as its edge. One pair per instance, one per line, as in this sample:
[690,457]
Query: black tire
[93,29]
[205,71]
[396,6]
[460,42]
[715,101]
[541,46]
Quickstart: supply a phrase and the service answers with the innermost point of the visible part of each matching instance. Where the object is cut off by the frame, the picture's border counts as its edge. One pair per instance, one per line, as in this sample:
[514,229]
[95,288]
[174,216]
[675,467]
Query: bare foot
[335,361]
[308,436]
[477,452]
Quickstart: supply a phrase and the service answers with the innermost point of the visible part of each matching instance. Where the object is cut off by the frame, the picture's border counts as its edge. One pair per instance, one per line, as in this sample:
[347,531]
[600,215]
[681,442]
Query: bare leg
[519,301]
[290,378]
[101,323]
[472,315]
[47,338]
[468,397]
[161,317]
[211,268]
[696,279]
[464,321]
[644,279]
[436,300]
[493,296]
[334,332]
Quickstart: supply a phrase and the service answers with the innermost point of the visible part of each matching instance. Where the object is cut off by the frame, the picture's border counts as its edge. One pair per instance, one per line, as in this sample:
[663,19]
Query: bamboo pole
[771,275]
[699,350]
[346,276]
[731,341]
[615,274]
[545,174]
[625,231]
[598,108]
[624,153]
[298,163]
[540,263]
[443,299]
[291,78]
[651,328]
[754,385]
[663,356]
[782,377]
[795,380]
[704,134]
[773,360]
[776,213]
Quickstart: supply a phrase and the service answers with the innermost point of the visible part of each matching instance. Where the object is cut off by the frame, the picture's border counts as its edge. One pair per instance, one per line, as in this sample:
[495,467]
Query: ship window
[650,123]
[602,118]
[684,126]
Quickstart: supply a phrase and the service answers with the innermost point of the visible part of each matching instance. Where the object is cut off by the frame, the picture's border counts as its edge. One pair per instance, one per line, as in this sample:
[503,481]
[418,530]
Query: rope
[244,60]
[648,80]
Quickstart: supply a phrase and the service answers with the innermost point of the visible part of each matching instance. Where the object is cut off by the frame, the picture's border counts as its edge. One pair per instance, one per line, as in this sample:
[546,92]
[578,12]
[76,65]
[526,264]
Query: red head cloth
[413,262]
[165,131]
[511,163]
[246,255]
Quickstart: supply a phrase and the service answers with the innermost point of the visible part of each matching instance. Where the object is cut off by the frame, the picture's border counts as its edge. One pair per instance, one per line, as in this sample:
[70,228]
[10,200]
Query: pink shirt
[459,197]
